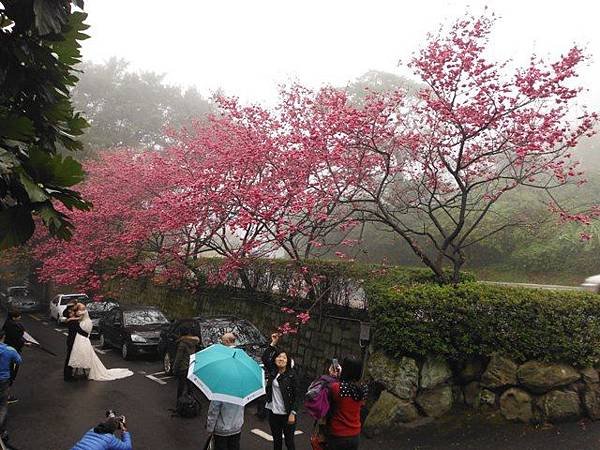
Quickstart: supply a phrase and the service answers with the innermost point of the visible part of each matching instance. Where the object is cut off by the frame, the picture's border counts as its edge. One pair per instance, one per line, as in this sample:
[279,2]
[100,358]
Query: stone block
[516,405]
[541,377]
[400,377]
[435,402]
[435,371]
[500,372]
[559,406]
[387,411]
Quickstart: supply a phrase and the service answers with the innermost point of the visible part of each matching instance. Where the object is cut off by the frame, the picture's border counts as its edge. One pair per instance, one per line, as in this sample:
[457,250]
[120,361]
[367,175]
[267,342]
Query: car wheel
[167,364]
[102,341]
[125,353]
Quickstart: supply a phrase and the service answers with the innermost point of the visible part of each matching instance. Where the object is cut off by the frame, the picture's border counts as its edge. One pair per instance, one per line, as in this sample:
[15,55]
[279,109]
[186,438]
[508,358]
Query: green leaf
[53,170]
[34,191]
[16,226]
[56,222]
[68,48]
[18,128]
[50,15]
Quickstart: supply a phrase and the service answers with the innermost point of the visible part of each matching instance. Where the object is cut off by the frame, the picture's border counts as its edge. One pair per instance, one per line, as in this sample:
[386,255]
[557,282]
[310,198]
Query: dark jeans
[227,442]
[4,385]
[183,385]
[342,443]
[279,425]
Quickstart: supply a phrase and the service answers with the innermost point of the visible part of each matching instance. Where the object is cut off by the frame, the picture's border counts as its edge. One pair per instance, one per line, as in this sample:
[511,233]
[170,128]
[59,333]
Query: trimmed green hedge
[472,320]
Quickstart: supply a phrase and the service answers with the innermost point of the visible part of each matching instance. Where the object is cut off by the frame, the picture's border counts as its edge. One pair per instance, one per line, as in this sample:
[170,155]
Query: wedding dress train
[83,356]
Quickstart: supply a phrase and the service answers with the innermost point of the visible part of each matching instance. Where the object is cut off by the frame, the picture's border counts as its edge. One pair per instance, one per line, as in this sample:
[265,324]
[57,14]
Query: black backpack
[187,406]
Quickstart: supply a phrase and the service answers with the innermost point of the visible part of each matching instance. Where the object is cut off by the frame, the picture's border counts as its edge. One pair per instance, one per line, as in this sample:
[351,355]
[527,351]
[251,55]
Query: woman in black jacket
[281,394]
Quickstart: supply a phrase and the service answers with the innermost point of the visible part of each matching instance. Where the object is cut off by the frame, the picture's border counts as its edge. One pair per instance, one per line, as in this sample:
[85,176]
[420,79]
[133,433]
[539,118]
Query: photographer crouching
[111,434]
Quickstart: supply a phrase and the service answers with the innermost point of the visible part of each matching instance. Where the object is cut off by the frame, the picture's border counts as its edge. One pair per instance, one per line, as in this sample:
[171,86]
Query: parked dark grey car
[210,330]
[135,330]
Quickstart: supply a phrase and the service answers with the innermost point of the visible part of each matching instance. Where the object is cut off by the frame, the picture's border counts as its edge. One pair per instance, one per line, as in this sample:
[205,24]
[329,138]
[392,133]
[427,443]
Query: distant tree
[375,81]
[131,109]
[39,46]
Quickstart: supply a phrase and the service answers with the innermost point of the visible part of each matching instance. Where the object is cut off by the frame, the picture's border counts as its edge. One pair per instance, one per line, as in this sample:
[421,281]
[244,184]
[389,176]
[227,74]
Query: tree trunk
[245,280]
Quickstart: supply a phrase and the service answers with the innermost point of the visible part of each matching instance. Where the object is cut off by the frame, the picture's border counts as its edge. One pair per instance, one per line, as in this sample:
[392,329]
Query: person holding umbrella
[281,394]
[230,379]
[225,420]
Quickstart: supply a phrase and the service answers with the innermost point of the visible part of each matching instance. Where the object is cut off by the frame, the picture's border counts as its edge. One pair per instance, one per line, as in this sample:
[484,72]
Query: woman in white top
[281,394]
[83,355]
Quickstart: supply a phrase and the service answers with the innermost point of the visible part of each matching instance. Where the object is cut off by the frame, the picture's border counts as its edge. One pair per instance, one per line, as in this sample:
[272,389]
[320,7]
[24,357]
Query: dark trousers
[4,385]
[183,385]
[227,442]
[280,426]
[68,370]
[342,443]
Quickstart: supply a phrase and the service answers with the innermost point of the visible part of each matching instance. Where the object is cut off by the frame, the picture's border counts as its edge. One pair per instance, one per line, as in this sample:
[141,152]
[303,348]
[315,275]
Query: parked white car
[592,284]
[59,304]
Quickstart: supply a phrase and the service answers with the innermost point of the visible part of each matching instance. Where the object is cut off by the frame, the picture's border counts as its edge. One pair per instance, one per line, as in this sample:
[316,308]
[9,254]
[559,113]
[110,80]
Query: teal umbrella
[227,374]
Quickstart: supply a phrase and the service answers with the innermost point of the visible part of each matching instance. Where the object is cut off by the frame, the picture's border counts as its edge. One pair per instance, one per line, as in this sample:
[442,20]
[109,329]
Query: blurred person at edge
[10,361]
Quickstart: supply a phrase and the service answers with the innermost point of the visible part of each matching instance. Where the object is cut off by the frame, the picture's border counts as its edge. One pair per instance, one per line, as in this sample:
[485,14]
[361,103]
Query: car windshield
[100,307]
[144,317]
[244,331]
[18,292]
[77,297]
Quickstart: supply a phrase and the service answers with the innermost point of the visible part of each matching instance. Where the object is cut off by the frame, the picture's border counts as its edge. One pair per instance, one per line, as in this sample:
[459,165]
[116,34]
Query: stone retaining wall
[534,392]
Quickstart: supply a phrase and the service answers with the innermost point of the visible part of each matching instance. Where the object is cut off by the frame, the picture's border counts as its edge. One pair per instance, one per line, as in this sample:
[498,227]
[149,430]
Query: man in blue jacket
[10,360]
[103,437]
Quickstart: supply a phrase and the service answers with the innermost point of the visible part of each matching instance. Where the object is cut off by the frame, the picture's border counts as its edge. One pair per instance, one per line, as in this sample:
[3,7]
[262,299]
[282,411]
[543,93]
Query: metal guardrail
[553,287]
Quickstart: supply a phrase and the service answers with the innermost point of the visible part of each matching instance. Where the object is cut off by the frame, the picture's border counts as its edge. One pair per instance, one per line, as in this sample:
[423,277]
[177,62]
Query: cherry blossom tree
[431,167]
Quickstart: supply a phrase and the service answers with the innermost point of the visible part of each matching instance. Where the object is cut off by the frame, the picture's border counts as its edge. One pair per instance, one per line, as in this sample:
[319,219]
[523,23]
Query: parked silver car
[21,299]
[592,284]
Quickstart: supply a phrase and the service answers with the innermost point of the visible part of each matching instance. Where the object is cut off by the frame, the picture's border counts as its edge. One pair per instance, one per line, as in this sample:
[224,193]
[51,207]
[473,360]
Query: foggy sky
[248,47]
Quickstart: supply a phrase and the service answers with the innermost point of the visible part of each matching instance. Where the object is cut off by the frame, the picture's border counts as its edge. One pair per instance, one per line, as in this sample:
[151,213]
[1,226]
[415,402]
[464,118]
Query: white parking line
[267,436]
[153,378]
[35,317]
[58,329]
[65,333]
[99,350]
[157,377]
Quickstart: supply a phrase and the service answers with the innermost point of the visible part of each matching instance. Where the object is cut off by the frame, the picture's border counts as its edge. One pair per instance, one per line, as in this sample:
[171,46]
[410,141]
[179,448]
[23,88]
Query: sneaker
[12,399]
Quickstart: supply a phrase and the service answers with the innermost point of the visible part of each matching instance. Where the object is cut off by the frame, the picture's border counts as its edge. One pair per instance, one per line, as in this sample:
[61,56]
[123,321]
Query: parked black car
[97,311]
[210,330]
[21,299]
[135,330]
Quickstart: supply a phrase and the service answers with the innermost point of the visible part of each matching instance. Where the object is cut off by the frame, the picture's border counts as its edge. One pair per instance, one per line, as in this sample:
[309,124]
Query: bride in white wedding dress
[83,355]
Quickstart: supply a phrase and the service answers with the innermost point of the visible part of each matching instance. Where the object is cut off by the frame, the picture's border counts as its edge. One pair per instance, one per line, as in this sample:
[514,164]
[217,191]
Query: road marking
[158,377]
[64,333]
[267,436]
[35,317]
[58,329]
[153,378]
[45,323]
[99,350]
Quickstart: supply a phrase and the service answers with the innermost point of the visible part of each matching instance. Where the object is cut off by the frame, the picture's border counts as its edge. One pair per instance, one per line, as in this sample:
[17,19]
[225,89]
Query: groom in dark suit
[74,328]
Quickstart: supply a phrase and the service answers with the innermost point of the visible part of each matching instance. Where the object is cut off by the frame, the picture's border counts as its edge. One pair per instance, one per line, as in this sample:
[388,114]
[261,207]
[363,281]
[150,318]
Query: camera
[114,414]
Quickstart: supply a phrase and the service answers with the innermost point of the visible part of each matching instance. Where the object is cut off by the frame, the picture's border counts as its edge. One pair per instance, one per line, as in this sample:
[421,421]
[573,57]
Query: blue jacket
[105,441]
[8,357]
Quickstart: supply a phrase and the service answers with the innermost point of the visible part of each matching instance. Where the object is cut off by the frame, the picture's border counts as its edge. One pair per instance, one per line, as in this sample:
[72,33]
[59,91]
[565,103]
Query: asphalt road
[53,415]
